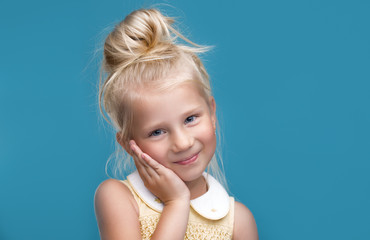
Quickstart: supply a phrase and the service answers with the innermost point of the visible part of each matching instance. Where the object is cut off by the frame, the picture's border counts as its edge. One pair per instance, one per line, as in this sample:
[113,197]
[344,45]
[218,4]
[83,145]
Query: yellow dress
[209,219]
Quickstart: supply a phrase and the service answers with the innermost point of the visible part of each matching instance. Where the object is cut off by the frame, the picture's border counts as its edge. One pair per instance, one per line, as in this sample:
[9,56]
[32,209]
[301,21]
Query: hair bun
[148,28]
[142,34]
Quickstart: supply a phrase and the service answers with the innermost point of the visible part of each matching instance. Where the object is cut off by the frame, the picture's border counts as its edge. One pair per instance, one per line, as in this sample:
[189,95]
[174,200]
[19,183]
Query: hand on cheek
[161,181]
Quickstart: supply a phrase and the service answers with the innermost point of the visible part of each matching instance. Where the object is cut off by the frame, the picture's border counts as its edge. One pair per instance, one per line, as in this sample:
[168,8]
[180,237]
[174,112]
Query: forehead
[169,103]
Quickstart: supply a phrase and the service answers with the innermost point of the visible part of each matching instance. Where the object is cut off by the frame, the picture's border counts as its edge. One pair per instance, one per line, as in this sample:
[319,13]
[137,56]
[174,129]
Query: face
[177,129]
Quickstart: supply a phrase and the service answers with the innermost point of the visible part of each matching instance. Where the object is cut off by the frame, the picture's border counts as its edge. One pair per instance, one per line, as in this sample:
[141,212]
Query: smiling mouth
[188,160]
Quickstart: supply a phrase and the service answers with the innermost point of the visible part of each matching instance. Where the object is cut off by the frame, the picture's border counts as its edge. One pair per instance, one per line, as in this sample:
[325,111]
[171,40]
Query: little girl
[157,95]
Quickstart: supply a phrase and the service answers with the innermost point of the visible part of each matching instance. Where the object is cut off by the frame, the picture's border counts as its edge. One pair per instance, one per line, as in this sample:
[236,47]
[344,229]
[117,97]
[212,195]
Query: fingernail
[143,156]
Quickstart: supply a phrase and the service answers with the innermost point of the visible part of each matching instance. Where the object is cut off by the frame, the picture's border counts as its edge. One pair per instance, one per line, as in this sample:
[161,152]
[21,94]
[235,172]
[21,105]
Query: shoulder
[112,190]
[113,193]
[111,186]
[244,224]
[115,209]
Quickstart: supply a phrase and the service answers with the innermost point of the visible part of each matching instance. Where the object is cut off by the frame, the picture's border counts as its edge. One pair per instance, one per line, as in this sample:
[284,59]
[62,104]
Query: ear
[212,108]
[123,143]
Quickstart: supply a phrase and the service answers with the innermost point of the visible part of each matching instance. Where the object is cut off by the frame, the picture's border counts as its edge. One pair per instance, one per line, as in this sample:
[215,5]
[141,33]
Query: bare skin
[117,211]
[170,129]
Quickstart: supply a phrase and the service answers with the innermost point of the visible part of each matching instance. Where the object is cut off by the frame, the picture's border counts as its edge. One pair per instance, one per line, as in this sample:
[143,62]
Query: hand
[161,181]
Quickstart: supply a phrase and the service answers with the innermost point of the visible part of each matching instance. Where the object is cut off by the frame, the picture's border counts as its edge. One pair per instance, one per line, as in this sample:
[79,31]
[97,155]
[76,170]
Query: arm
[244,224]
[116,212]
[118,215]
[170,189]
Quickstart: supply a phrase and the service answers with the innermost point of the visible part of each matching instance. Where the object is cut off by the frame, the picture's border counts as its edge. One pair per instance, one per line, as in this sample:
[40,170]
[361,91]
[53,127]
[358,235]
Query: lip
[188,160]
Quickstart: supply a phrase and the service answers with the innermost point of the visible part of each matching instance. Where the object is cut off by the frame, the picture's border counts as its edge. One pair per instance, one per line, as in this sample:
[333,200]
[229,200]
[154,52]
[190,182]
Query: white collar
[213,205]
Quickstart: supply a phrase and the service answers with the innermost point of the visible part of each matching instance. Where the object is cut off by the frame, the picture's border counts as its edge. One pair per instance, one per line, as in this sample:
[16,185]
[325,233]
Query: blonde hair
[140,52]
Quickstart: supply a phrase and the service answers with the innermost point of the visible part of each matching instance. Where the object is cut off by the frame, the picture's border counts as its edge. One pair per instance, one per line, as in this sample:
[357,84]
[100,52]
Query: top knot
[143,34]
[147,28]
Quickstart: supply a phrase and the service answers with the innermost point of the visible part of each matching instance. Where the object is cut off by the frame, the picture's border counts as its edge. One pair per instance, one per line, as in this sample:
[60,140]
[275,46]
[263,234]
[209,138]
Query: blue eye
[189,119]
[156,133]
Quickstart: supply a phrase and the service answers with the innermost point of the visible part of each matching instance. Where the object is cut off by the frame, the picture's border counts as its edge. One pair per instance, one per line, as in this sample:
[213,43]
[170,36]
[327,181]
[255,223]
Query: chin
[191,175]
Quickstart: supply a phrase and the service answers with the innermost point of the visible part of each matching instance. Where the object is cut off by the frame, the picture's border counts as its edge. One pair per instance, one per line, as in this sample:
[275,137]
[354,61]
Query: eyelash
[193,117]
[187,121]
[152,134]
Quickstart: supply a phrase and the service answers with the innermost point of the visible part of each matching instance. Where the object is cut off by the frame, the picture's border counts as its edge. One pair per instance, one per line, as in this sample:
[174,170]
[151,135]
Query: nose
[182,140]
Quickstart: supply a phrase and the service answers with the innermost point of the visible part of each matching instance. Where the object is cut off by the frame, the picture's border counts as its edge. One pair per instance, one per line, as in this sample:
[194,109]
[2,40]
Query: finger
[141,163]
[137,152]
[151,162]
[139,166]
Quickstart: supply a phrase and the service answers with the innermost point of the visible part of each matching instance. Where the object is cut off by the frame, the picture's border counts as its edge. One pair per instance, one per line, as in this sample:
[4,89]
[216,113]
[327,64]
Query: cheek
[208,137]
[154,150]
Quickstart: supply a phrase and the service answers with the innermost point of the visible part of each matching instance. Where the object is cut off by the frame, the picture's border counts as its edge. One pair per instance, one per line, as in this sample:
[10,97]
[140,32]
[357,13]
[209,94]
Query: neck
[197,187]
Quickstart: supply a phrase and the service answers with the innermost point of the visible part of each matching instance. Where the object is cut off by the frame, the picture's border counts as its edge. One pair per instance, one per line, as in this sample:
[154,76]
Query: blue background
[291,80]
